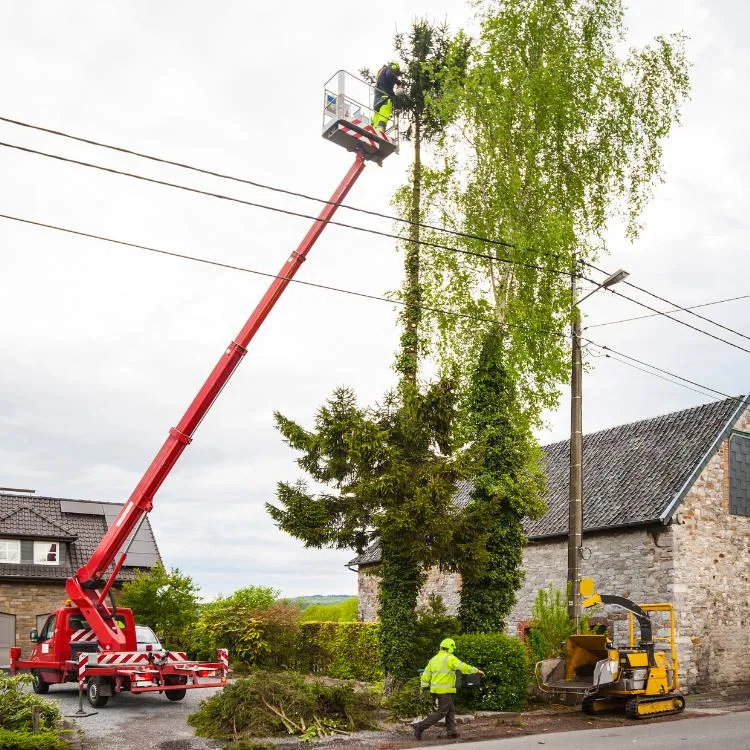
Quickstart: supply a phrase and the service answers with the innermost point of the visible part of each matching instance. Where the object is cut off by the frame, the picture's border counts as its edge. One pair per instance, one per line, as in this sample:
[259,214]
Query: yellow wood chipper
[639,677]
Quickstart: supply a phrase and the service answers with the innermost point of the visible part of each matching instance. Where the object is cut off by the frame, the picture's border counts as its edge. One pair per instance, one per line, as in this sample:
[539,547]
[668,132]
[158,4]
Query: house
[666,518]
[43,541]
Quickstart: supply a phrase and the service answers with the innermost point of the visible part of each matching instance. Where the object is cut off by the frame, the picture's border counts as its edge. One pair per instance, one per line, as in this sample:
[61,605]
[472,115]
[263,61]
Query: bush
[433,624]
[16,705]
[279,628]
[17,739]
[346,650]
[503,660]
[278,703]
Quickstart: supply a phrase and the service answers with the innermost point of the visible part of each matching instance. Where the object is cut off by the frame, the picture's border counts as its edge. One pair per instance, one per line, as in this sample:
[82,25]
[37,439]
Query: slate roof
[29,516]
[635,474]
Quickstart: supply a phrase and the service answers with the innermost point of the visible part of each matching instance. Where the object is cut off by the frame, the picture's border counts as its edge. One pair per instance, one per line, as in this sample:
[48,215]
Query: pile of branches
[269,704]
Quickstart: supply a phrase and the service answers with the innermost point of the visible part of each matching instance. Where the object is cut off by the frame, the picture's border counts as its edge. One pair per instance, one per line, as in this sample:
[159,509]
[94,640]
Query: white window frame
[10,551]
[42,551]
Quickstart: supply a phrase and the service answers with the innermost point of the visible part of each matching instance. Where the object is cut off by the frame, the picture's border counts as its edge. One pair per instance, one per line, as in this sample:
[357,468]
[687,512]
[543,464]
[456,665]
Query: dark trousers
[443,707]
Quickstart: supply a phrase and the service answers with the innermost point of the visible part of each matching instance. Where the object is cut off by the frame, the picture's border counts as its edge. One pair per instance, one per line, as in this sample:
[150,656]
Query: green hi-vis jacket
[440,673]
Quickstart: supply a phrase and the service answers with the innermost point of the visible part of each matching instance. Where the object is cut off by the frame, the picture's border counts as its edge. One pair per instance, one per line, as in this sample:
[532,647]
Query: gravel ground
[135,722]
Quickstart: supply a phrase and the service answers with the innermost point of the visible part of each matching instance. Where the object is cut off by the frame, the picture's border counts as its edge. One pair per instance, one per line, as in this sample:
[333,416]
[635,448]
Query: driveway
[134,722]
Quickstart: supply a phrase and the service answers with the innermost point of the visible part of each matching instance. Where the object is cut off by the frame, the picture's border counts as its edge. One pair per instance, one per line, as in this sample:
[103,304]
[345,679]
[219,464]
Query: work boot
[417,731]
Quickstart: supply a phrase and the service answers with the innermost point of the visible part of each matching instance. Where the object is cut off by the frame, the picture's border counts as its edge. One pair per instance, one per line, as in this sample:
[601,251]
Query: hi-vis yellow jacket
[440,673]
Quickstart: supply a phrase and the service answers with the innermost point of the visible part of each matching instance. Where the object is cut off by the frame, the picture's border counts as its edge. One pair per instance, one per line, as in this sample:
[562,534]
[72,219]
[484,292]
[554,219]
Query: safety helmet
[394,66]
[448,644]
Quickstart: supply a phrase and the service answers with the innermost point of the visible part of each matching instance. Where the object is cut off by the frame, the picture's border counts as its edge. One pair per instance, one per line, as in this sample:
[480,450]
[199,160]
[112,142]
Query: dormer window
[46,553]
[10,551]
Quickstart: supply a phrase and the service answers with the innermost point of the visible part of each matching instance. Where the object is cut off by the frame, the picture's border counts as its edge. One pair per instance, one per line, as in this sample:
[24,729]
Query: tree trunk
[408,362]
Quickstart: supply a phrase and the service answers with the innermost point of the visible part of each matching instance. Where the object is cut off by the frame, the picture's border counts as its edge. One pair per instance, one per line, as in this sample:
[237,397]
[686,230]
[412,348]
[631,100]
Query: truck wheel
[94,693]
[39,685]
[175,695]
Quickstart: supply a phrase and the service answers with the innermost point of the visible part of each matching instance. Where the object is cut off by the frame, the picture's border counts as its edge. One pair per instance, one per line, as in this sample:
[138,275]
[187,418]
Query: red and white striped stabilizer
[83,660]
[117,658]
[82,636]
[223,657]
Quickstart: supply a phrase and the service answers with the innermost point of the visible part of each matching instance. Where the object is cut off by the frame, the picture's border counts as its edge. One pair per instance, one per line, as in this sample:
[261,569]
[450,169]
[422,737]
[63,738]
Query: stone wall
[26,601]
[712,586]
[445,585]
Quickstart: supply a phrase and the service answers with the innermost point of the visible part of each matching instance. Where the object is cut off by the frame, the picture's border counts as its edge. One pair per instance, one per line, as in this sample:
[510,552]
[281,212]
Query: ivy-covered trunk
[401,580]
[408,359]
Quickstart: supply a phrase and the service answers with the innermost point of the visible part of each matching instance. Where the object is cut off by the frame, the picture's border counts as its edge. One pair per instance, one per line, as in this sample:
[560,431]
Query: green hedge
[503,660]
[17,739]
[346,650]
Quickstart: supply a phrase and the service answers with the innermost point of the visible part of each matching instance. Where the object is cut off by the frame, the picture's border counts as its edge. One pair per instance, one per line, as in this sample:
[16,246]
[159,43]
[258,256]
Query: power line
[662,370]
[676,309]
[681,322]
[425,243]
[244,269]
[339,290]
[680,307]
[656,375]
[288,212]
[254,183]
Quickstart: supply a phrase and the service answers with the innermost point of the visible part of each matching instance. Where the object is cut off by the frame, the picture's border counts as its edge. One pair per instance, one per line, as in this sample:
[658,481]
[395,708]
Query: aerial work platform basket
[348,115]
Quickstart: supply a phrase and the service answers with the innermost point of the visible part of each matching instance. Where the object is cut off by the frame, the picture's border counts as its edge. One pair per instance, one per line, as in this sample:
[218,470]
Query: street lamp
[575,506]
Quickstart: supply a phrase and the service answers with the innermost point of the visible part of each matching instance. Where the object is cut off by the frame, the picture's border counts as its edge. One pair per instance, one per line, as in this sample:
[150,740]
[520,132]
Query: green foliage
[433,624]
[392,475]
[503,660]
[345,650]
[558,134]
[507,487]
[278,703]
[164,600]
[409,700]
[345,611]
[258,630]
[307,601]
[18,739]
[16,705]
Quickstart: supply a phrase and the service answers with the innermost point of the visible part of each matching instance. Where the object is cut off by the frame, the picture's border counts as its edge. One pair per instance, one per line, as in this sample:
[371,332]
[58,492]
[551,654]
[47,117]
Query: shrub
[279,628]
[278,703]
[503,660]
[433,624]
[17,739]
[16,705]
[346,650]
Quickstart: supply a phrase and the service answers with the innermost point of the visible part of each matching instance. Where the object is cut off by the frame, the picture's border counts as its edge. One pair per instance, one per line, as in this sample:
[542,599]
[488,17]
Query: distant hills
[307,601]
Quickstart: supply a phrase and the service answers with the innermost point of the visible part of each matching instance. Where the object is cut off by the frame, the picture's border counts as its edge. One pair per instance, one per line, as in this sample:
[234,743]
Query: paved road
[729,731]
[136,722]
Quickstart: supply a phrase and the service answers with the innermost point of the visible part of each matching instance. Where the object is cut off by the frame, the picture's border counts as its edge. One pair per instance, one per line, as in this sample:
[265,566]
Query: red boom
[82,587]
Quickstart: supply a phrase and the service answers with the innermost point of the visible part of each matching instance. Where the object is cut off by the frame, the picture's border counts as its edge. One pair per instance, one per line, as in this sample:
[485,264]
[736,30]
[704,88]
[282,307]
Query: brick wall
[26,601]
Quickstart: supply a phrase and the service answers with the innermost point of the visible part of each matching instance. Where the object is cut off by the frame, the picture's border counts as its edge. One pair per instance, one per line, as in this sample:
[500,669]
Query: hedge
[345,650]
[18,739]
[503,660]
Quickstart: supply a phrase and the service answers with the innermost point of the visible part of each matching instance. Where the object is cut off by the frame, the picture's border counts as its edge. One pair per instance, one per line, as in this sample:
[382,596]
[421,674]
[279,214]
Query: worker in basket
[439,677]
[388,78]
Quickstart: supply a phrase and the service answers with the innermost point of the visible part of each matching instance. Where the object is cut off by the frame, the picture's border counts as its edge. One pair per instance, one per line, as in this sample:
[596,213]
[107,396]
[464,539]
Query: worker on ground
[439,677]
[388,77]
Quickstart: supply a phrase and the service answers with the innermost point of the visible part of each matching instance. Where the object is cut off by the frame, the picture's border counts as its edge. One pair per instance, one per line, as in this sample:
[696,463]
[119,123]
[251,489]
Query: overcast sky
[103,347]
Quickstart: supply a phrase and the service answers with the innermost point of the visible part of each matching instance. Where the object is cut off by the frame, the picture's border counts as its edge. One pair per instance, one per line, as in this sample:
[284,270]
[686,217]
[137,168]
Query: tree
[392,472]
[558,136]
[166,601]
[434,65]
[508,485]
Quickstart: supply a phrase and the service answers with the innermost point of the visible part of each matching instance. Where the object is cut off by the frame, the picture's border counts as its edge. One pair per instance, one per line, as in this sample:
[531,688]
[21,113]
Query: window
[49,629]
[739,475]
[45,553]
[10,551]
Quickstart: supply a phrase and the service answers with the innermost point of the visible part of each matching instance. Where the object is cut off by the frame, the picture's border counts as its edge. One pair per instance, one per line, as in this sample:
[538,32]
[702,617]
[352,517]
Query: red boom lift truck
[93,641]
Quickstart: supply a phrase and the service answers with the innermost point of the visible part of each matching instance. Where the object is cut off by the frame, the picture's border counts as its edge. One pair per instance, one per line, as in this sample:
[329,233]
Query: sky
[102,347]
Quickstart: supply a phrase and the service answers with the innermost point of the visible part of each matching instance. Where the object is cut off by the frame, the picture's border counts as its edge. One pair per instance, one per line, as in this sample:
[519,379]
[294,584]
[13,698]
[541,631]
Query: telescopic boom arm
[82,588]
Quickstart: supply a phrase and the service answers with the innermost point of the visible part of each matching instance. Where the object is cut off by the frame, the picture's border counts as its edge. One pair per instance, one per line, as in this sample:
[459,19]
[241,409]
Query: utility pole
[575,503]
